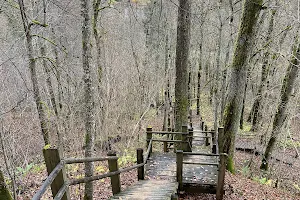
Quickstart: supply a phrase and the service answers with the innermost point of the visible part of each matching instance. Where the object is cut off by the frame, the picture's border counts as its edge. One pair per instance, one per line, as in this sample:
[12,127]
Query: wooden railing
[60,184]
[184,138]
[221,164]
[57,175]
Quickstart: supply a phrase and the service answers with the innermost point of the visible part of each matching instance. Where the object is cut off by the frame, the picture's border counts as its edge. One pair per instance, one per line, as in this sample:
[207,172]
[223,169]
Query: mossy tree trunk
[33,74]
[233,108]
[257,115]
[285,94]
[4,192]
[88,95]
[182,54]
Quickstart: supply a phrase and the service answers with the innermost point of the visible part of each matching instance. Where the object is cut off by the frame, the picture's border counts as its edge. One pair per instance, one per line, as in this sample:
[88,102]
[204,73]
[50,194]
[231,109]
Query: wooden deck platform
[149,190]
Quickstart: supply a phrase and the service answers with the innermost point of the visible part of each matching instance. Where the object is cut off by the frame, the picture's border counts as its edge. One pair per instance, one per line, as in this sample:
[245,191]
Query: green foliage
[38,168]
[101,169]
[263,180]
[289,143]
[48,146]
[194,106]
[296,186]
[24,171]
[128,157]
[247,128]
[72,168]
[245,171]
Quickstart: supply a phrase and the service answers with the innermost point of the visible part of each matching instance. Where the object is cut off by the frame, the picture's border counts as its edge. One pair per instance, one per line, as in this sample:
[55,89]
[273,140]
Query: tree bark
[88,95]
[33,74]
[182,54]
[166,95]
[233,108]
[257,115]
[285,94]
[217,72]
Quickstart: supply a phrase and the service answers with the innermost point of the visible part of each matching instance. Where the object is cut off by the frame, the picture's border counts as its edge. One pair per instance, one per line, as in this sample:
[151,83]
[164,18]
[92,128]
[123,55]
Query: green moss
[4,193]
[230,165]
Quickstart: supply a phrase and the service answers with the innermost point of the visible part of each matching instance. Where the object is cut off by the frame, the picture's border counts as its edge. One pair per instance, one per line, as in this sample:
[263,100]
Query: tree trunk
[199,78]
[217,72]
[52,95]
[257,115]
[182,55]
[32,68]
[88,95]
[233,108]
[166,100]
[286,92]
[4,192]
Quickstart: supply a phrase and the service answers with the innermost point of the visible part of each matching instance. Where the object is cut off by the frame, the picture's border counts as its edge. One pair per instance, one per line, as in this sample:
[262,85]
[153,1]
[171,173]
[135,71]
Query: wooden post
[191,117]
[191,133]
[52,159]
[140,160]
[214,149]
[149,137]
[170,137]
[184,139]
[179,165]
[221,177]
[222,165]
[115,179]
[212,136]
[202,125]
[165,147]
[206,135]
[220,139]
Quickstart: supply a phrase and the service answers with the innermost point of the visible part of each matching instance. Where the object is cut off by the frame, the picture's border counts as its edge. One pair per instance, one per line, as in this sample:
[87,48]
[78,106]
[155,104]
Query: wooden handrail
[57,169]
[162,140]
[199,137]
[166,132]
[200,163]
[200,131]
[200,154]
[61,192]
[48,181]
[88,159]
[148,150]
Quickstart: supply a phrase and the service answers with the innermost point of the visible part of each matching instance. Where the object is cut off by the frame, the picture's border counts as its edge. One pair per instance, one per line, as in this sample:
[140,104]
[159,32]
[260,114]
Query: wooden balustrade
[59,183]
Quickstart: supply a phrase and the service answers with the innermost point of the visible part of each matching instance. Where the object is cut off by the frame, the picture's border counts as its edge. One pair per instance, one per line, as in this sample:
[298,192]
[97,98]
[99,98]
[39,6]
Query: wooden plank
[149,189]
[201,163]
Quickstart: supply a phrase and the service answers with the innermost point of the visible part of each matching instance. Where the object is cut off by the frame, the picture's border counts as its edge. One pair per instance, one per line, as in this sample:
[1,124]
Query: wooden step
[149,190]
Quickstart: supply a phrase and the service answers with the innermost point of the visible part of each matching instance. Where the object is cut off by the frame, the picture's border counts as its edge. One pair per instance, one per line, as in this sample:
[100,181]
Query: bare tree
[88,95]
[32,67]
[182,55]
[285,95]
[236,91]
